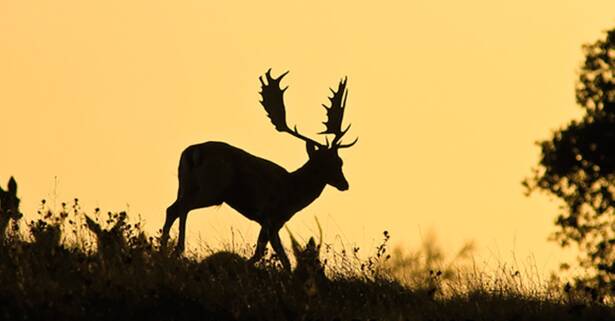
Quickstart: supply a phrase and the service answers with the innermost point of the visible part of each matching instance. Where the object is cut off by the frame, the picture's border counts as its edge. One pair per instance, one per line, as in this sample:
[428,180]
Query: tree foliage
[577,166]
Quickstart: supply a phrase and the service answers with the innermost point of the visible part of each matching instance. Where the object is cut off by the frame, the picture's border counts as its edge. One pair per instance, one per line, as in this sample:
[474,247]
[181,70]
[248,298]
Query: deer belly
[251,213]
[253,205]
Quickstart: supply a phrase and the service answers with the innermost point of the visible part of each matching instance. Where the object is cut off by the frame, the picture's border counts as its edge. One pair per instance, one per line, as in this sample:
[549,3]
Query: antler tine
[348,145]
[273,102]
[280,77]
[338,136]
[296,133]
[271,80]
[340,145]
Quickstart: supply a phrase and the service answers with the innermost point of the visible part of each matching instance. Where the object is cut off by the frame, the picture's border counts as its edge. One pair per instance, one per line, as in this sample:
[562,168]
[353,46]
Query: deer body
[255,187]
[213,173]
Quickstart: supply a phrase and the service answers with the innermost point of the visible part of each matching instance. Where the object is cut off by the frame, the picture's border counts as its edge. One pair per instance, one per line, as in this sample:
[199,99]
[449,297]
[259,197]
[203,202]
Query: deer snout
[339,181]
[342,186]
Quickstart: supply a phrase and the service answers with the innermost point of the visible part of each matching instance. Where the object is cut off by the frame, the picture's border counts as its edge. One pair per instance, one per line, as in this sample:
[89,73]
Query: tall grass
[59,268]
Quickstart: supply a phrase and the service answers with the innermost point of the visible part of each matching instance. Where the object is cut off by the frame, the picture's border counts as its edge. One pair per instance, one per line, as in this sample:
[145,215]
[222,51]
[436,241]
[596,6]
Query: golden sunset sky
[99,98]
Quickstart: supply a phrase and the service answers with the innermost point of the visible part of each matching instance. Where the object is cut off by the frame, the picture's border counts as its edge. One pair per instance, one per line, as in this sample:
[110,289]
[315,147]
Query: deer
[309,271]
[213,173]
[117,242]
[110,242]
[308,274]
[9,206]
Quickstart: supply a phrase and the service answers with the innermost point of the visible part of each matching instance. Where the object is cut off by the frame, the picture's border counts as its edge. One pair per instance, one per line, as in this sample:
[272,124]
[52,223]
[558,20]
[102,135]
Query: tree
[577,166]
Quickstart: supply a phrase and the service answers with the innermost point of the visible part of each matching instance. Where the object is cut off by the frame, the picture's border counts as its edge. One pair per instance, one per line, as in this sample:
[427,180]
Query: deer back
[249,184]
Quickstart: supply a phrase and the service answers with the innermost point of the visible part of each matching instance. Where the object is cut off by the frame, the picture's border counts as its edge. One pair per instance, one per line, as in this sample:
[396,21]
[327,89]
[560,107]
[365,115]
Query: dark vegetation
[67,265]
[577,166]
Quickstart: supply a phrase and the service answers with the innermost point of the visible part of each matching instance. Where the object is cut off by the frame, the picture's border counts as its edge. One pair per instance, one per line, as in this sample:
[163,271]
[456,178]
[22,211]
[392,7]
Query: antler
[335,115]
[273,102]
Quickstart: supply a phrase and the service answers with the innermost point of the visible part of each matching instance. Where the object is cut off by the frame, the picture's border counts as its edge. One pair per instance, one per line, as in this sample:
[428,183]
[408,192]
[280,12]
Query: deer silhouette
[213,173]
[308,273]
[110,242]
[9,206]
[118,241]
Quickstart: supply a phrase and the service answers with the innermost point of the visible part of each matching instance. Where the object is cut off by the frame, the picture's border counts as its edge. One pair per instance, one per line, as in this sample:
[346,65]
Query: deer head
[110,242]
[310,270]
[324,156]
[9,206]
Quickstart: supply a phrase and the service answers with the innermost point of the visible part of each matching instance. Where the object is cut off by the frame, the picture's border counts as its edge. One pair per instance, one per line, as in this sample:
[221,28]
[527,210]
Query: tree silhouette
[577,165]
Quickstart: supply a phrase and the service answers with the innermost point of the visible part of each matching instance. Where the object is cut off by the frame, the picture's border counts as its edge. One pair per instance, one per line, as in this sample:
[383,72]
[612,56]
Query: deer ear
[311,149]
[93,226]
[311,243]
[12,186]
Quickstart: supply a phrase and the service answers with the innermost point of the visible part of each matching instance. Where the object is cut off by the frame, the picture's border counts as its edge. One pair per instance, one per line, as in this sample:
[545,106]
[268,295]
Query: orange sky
[447,97]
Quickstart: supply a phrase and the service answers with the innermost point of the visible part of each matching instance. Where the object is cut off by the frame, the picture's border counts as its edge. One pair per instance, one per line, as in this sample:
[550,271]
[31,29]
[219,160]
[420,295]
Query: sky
[98,99]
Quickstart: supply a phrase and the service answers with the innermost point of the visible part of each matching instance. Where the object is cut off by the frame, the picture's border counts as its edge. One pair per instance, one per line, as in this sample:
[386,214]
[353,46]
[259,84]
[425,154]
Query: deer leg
[171,217]
[198,198]
[279,250]
[261,244]
[181,239]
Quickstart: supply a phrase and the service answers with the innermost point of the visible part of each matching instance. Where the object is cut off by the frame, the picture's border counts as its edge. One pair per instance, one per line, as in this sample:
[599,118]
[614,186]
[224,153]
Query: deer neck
[306,184]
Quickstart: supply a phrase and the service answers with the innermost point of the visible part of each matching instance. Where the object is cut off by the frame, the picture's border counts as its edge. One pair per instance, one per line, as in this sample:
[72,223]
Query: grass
[61,269]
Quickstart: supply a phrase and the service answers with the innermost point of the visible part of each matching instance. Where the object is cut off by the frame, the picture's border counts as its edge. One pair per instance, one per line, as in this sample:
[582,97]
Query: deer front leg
[261,244]
[279,250]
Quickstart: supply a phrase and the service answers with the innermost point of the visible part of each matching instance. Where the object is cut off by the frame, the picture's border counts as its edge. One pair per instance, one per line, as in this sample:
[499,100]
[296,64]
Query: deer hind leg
[199,199]
[178,209]
[204,189]
[172,215]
